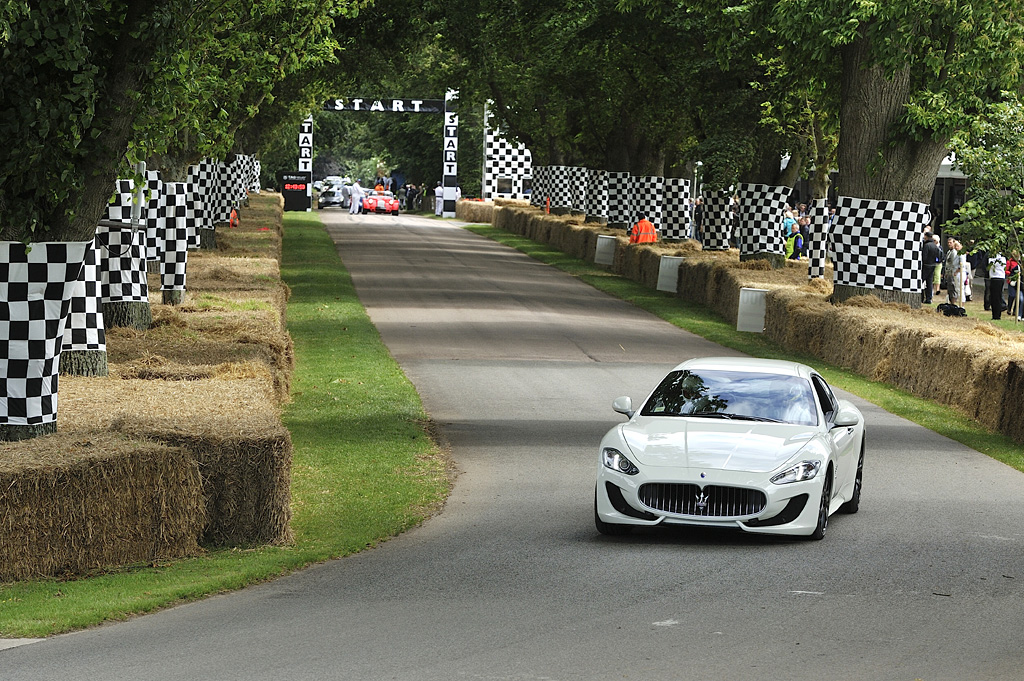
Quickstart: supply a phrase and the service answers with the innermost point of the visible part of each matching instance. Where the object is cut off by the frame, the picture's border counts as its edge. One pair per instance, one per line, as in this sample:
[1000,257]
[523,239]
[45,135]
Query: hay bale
[228,423]
[474,211]
[72,503]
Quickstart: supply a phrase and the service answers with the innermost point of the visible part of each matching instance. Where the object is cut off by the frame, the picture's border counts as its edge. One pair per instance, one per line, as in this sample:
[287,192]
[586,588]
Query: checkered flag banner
[120,207]
[817,240]
[675,218]
[716,221]
[538,194]
[620,191]
[122,263]
[761,211]
[504,161]
[35,300]
[255,185]
[202,177]
[648,194]
[155,215]
[560,186]
[219,196]
[84,329]
[241,169]
[578,188]
[176,237]
[877,243]
[597,194]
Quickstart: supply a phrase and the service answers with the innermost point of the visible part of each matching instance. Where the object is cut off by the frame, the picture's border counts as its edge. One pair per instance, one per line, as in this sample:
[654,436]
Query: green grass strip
[363,468]
[705,323]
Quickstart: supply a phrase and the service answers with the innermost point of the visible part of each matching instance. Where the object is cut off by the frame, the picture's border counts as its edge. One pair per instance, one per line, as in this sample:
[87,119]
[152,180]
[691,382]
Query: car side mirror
[846,417]
[623,405]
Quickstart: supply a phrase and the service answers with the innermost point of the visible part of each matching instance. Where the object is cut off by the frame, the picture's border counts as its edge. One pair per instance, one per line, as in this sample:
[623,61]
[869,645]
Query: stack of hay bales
[964,363]
[182,445]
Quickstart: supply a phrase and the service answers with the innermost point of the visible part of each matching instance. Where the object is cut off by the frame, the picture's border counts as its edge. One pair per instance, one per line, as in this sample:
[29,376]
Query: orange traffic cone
[234,218]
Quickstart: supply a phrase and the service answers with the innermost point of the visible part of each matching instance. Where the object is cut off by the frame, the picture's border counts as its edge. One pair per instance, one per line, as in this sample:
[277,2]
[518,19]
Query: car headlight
[614,459]
[805,470]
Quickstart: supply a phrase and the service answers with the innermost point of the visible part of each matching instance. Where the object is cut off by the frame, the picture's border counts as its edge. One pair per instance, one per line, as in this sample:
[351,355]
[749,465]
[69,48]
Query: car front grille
[713,501]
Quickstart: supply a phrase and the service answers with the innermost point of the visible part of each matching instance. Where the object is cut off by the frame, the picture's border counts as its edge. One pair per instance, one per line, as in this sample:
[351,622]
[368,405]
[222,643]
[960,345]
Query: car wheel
[853,505]
[608,529]
[826,498]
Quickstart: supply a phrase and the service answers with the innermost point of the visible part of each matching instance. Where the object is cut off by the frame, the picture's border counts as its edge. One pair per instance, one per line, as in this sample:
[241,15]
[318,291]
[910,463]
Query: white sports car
[755,444]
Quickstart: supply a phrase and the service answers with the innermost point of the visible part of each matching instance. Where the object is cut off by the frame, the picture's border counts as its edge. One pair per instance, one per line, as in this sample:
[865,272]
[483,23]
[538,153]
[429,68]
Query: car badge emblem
[702,500]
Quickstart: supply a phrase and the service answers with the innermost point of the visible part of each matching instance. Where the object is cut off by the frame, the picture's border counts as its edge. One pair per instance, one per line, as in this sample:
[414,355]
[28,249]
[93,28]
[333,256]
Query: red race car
[380,202]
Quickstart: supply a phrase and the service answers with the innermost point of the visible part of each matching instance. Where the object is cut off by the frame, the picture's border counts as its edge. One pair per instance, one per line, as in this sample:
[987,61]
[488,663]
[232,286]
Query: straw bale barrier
[474,211]
[71,503]
[182,444]
[228,423]
[967,364]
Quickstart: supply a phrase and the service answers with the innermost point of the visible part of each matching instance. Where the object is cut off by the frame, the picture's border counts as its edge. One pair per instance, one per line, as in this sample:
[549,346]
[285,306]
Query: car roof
[748,364]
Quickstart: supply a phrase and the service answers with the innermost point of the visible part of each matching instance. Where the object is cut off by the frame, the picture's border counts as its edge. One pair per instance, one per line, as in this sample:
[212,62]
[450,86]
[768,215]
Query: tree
[991,153]
[87,87]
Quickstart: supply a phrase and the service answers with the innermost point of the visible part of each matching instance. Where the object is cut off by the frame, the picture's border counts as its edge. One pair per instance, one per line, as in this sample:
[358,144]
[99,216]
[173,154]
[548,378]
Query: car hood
[714,444]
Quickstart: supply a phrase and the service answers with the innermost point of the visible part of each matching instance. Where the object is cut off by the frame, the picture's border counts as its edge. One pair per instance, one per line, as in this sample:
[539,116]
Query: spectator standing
[643,231]
[953,272]
[996,278]
[356,198]
[794,242]
[1014,294]
[937,277]
[931,256]
[698,218]
[438,199]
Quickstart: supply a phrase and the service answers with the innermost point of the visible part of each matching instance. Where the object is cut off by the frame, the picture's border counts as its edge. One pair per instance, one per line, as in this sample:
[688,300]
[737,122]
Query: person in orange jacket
[643,231]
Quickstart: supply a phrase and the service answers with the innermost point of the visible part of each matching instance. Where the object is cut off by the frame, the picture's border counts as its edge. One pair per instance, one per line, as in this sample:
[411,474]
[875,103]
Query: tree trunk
[173,296]
[12,433]
[133,315]
[875,160]
[83,363]
[777,260]
[842,293]
[207,239]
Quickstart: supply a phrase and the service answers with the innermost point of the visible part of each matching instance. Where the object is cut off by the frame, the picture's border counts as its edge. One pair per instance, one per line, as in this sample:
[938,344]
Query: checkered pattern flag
[155,215]
[877,243]
[256,186]
[597,194]
[647,197]
[560,186]
[122,264]
[716,221]
[35,300]
[174,254]
[503,160]
[675,216]
[120,207]
[620,203]
[539,193]
[578,188]
[239,179]
[817,240]
[84,330]
[761,211]
[219,197]
[203,177]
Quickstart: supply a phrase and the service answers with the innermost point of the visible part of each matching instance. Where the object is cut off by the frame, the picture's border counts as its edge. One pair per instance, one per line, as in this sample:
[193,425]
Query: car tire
[826,499]
[608,529]
[853,505]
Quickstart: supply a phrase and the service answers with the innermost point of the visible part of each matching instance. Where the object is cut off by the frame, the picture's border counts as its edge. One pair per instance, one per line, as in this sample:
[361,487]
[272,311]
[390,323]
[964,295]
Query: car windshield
[740,395]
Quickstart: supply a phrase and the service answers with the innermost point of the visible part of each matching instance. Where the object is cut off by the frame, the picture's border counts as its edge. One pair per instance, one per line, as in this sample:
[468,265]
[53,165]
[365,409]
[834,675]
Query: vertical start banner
[306,160]
[451,148]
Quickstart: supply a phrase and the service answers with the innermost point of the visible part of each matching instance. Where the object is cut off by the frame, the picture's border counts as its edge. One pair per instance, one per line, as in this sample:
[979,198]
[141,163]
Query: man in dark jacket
[931,256]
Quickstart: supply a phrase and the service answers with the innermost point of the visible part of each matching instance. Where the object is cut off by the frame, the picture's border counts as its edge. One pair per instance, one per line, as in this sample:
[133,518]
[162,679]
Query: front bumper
[791,509]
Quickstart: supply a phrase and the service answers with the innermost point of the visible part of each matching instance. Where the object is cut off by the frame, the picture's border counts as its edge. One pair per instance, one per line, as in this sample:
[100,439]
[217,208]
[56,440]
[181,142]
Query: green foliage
[991,153]
[87,88]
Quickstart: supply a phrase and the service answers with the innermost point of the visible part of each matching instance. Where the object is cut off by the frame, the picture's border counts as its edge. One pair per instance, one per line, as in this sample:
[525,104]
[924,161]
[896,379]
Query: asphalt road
[519,364]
